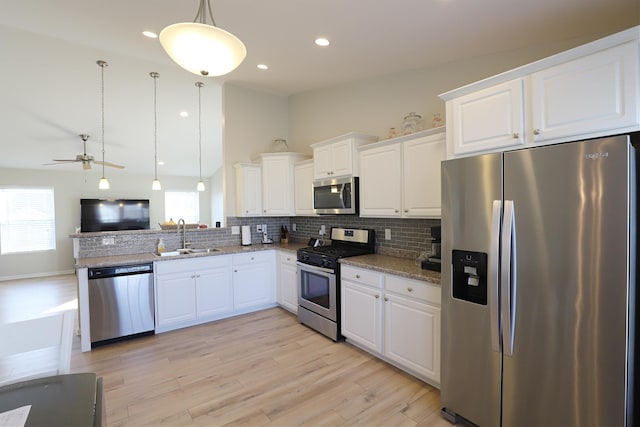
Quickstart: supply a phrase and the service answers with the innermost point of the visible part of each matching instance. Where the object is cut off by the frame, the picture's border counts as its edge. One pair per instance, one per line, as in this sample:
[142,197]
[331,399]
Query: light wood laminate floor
[259,369]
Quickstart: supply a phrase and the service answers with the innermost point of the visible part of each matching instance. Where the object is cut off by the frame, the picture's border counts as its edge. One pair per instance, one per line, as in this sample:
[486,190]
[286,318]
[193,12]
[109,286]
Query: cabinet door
[176,298]
[214,292]
[342,158]
[490,119]
[412,335]
[303,184]
[248,190]
[361,313]
[253,285]
[277,186]
[288,283]
[593,93]
[380,181]
[322,162]
[421,176]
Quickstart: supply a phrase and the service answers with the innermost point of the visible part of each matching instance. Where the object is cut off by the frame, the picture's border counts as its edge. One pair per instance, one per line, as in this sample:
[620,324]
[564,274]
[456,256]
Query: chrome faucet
[184,233]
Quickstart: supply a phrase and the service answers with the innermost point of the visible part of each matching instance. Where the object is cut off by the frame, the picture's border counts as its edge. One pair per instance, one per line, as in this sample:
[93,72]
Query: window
[182,204]
[27,220]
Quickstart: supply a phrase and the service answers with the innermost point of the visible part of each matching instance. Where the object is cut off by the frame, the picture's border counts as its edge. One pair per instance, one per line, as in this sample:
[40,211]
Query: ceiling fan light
[203,49]
[103,184]
[156,185]
[200,186]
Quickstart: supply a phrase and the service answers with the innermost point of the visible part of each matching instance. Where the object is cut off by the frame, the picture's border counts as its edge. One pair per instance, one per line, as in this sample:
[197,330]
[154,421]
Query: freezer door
[470,366]
[571,284]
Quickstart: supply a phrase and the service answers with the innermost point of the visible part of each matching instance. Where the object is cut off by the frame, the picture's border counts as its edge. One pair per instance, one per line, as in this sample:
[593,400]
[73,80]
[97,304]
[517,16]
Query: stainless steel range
[319,278]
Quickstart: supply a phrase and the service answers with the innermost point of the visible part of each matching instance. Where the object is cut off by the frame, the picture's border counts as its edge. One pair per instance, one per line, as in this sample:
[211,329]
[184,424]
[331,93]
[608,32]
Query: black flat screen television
[114,214]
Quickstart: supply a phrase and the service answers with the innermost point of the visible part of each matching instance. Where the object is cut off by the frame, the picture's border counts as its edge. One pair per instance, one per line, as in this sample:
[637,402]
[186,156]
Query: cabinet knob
[516,135]
[193,277]
[396,211]
[235,271]
[265,211]
[410,289]
[252,258]
[386,299]
[536,131]
[406,210]
[357,276]
[377,296]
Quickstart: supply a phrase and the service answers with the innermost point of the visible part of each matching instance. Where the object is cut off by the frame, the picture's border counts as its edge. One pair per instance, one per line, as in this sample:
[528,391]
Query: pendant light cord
[202,13]
[155,126]
[102,64]
[200,84]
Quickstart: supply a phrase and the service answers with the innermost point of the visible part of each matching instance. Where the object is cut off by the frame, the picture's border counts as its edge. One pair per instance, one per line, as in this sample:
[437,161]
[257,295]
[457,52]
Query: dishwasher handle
[120,270]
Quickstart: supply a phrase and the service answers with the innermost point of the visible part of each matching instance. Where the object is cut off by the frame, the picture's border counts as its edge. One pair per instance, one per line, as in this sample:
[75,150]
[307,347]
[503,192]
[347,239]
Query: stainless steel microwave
[336,196]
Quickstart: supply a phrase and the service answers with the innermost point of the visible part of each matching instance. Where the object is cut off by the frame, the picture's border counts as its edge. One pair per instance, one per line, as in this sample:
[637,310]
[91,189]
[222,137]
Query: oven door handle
[314,268]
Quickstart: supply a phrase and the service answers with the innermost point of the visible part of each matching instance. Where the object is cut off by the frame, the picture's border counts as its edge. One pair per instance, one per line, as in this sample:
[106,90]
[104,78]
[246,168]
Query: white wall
[252,120]
[374,105]
[69,188]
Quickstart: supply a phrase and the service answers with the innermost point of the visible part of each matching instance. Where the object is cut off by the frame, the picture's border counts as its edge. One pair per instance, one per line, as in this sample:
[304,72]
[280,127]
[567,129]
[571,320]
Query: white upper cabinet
[410,183]
[278,183]
[338,157]
[489,119]
[586,92]
[421,158]
[248,189]
[586,95]
[303,184]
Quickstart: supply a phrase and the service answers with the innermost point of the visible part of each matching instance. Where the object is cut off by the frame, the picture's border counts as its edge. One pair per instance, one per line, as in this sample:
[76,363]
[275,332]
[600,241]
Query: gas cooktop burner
[345,242]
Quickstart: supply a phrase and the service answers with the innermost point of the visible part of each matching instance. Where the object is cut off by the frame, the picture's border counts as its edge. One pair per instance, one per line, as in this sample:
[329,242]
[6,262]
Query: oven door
[317,290]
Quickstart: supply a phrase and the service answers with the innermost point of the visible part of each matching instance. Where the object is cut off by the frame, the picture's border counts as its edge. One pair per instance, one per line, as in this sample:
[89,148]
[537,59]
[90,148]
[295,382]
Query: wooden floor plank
[259,369]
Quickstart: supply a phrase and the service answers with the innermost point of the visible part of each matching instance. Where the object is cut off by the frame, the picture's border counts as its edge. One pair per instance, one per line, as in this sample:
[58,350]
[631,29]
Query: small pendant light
[156,183]
[104,182]
[200,186]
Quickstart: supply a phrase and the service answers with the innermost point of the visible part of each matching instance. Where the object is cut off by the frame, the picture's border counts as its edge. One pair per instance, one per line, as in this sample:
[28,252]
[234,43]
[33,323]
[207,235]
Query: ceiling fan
[84,158]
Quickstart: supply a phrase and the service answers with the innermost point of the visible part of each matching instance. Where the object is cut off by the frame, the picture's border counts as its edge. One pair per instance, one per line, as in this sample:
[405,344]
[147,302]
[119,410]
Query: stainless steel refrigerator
[539,286]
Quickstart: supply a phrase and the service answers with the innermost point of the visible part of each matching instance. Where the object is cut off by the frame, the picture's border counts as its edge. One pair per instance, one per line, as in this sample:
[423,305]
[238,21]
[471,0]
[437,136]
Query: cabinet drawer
[251,257]
[358,275]
[288,258]
[414,288]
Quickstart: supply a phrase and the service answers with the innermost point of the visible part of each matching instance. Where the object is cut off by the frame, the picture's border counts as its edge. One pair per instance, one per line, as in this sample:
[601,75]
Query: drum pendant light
[201,48]
[104,182]
[155,185]
[200,186]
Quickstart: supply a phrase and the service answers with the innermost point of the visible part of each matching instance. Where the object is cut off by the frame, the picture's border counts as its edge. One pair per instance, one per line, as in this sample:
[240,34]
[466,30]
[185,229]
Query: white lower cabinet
[395,318]
[193,291]
[253,280]
[287,289]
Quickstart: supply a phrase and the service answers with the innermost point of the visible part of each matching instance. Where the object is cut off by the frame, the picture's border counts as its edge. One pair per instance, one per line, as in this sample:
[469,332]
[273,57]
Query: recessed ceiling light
[184,114]
[322,42]
[263,66]
[150,34]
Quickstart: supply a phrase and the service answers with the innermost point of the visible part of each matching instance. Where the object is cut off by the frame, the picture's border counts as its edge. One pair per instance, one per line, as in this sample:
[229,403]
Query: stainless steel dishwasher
[120,301]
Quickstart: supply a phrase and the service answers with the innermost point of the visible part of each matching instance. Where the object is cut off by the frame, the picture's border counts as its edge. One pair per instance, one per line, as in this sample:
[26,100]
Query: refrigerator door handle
[494,301]
[508,277]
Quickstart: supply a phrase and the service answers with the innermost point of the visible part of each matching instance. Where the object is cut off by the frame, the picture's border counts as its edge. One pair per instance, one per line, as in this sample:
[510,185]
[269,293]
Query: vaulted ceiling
[50,84]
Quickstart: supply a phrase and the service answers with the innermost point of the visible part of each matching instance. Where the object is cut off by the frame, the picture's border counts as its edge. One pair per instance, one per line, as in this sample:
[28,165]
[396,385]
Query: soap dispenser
[160,246]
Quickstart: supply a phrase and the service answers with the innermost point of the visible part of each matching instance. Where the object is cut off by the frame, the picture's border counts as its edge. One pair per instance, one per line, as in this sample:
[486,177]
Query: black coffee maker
[433,262]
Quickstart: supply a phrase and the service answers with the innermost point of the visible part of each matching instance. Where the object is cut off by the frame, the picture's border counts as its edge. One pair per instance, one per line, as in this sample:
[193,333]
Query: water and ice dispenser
[470,276]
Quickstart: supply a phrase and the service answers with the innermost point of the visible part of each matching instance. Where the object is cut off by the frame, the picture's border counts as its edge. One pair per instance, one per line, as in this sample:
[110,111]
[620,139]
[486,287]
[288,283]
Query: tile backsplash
[409,237]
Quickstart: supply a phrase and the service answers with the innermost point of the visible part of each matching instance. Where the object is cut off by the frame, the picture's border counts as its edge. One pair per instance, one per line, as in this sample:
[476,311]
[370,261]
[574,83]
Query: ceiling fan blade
[60,162]
[111,165]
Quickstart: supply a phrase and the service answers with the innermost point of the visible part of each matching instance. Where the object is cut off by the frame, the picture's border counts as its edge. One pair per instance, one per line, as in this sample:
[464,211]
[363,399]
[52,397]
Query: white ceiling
[50,84]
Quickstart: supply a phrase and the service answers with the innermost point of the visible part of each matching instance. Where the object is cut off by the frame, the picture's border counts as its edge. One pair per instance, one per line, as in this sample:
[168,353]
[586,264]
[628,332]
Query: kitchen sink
[198,250]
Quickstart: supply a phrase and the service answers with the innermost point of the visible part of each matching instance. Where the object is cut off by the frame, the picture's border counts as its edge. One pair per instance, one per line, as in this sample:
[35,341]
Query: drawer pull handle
[410,289]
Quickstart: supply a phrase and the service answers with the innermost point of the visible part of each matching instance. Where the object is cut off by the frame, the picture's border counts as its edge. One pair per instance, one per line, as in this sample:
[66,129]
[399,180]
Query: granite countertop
[404,267]
[142,258]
